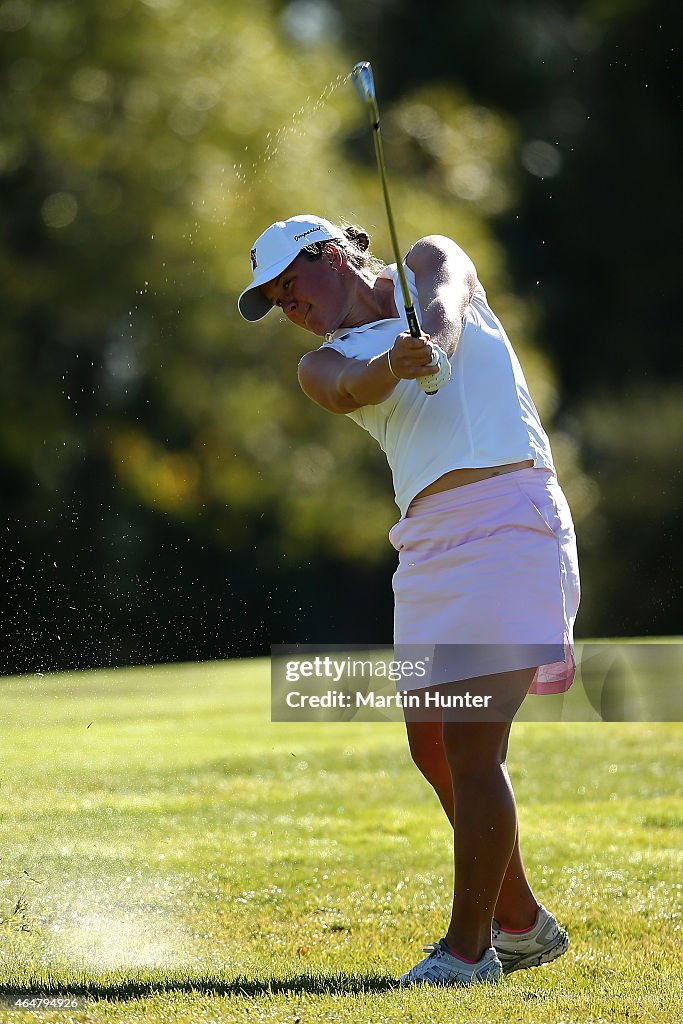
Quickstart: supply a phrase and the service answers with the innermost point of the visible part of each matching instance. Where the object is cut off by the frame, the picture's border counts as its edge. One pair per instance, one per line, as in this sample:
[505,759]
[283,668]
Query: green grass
[170,853]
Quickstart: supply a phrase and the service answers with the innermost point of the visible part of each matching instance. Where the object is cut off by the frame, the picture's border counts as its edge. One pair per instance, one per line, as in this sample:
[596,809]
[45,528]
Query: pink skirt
[488,575]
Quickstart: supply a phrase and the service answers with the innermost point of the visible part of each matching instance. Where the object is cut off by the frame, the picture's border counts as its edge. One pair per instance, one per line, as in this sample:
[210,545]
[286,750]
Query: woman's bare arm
[340,384]
[446,278]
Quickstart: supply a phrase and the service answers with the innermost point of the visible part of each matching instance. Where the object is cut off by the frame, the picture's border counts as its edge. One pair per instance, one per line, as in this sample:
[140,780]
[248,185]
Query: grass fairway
[173,855]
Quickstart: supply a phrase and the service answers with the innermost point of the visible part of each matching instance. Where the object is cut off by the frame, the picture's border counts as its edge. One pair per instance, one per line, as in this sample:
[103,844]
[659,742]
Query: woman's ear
[335,255]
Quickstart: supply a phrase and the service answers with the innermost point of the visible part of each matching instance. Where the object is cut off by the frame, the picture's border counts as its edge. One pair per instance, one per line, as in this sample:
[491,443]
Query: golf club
[365,85]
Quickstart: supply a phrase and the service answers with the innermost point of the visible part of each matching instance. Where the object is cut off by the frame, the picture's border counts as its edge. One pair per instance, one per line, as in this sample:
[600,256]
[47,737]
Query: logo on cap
[253,259]
[311,231]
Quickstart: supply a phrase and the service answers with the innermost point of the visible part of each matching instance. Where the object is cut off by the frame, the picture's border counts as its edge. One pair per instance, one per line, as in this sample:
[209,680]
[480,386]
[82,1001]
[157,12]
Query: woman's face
[312,293]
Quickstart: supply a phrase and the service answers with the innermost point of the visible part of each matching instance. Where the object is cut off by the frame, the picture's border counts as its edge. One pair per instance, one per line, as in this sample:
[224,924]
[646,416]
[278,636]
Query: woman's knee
[426,749]
[475,748]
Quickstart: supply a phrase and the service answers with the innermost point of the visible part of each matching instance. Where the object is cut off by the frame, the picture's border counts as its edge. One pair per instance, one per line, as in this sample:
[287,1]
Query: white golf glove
[430,385]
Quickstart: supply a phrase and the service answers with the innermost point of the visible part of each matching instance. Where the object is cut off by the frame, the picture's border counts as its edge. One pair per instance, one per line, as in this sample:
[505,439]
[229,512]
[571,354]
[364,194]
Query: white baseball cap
[274,250]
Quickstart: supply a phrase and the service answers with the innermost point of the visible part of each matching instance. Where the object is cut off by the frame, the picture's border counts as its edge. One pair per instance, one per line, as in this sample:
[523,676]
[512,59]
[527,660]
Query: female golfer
[487,555]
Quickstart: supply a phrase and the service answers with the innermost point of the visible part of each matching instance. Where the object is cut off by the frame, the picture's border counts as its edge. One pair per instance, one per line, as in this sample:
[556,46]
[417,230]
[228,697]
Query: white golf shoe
[442,968]
[543,942]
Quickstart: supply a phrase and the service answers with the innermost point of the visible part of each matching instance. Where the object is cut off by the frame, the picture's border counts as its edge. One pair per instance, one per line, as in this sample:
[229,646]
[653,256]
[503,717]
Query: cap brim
[252,303]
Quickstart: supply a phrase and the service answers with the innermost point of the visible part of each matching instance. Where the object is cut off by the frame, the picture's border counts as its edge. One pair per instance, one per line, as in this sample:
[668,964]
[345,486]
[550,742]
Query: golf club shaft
[363,80]
[411,315]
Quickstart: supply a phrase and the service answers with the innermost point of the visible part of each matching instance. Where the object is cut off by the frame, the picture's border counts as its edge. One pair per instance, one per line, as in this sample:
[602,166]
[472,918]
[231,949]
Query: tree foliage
[145,146]
[168,490]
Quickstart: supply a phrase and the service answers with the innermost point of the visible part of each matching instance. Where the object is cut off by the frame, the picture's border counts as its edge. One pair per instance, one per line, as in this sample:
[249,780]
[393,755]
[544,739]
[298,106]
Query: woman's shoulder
[438,254]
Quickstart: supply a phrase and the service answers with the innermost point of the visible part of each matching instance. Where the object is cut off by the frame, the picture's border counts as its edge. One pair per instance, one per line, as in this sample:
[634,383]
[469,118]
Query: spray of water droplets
[247,174]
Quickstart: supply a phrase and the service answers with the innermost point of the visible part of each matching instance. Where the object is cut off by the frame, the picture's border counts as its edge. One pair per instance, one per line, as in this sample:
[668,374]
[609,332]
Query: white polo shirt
[483,417]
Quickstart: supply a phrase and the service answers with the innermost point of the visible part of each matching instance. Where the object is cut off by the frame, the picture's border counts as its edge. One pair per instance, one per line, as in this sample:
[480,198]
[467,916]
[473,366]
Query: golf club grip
[413,324]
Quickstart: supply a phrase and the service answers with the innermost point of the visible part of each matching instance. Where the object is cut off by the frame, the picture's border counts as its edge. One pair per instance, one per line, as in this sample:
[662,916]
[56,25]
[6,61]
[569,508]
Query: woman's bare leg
[476,770]
[516,906]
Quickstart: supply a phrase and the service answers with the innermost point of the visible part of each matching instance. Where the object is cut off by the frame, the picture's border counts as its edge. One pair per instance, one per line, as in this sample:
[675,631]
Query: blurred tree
[169,492]
[594,90]
[631,443]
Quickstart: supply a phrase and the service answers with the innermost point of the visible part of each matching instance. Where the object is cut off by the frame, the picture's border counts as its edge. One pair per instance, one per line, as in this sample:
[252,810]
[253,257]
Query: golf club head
[365,87]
